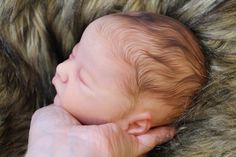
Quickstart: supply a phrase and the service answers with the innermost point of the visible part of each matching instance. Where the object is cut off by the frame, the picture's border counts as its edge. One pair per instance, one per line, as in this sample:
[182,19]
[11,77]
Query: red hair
[169,64]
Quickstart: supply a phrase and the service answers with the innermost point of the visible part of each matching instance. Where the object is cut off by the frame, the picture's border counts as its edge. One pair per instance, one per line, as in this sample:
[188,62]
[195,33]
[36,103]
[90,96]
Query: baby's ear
[139,123]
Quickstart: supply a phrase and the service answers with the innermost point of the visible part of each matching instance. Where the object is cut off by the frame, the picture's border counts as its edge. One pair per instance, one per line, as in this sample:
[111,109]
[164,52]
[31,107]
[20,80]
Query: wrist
[109,144]
[103,146]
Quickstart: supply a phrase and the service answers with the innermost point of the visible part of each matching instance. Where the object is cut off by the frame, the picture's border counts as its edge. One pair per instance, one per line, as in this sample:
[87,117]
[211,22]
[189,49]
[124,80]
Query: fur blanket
[37,35]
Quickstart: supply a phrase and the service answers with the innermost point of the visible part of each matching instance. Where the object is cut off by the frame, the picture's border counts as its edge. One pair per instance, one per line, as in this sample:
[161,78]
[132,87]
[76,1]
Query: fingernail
[159,139]
[173,132]
[168,137]
[164,139]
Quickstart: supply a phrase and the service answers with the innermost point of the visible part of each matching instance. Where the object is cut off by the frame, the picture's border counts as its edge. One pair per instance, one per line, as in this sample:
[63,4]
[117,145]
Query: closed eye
[84,83]
[81,78]
[85,78]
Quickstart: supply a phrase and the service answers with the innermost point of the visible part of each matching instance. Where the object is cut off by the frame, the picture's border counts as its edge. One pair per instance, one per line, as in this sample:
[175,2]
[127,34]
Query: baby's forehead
[118,30]
[113,26]
[112,31]
[120,40]
[115,33]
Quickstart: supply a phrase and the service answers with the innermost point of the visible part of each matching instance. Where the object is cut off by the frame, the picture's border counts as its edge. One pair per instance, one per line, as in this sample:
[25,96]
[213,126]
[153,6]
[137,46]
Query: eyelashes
[80,78]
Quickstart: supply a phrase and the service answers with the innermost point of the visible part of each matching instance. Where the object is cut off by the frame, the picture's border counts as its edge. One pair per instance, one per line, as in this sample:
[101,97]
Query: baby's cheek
[67,102]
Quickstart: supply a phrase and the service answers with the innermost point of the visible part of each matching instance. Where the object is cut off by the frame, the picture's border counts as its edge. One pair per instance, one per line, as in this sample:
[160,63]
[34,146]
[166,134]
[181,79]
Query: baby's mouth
[56,83]
[57,97]
[54,79]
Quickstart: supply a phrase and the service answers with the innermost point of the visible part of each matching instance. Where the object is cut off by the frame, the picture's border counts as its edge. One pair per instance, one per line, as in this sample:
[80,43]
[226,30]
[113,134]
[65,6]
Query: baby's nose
[62,72]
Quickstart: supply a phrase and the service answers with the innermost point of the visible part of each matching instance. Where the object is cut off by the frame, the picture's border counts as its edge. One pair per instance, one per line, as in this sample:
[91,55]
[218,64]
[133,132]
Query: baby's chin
[57,101]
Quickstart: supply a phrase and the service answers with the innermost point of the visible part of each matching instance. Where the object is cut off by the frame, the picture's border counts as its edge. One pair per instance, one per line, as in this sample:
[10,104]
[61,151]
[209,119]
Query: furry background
[37,35]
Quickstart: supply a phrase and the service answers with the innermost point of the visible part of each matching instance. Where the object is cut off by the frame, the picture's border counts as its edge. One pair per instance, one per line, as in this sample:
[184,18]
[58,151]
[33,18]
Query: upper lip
[54,79]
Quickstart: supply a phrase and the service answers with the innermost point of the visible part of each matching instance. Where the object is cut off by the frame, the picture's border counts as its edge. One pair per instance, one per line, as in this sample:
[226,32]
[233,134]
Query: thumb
[154,137]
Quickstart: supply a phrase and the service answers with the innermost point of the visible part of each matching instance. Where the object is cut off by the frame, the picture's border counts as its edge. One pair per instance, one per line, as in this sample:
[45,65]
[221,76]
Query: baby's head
[139,69]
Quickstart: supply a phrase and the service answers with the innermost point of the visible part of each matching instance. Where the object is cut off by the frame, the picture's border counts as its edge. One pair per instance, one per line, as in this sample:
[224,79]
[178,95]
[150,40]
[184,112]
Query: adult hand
[55,133]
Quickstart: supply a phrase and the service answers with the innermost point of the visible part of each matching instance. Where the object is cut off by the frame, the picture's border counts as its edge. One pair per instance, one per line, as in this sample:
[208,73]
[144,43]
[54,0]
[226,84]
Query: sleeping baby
[138,70]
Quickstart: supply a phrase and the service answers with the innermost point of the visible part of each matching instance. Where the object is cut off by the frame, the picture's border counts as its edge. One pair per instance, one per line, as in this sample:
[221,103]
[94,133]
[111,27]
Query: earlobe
[139,124]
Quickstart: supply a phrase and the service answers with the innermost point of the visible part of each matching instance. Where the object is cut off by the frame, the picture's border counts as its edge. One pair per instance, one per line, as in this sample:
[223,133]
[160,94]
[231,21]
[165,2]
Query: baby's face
[91,84]
[88,82]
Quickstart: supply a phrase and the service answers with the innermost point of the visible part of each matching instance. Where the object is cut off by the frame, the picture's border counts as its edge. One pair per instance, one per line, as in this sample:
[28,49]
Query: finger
[52,115]
[154,137]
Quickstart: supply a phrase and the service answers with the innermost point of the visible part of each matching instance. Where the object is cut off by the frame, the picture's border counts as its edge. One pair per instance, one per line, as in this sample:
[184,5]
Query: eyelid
[85,83]
[81,79]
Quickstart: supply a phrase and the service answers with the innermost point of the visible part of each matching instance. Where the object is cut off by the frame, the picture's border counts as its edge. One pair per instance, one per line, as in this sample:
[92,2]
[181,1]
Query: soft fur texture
[37,35]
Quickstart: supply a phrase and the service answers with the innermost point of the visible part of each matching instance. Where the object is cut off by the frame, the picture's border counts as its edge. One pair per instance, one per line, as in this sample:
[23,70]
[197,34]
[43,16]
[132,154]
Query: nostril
[64,78]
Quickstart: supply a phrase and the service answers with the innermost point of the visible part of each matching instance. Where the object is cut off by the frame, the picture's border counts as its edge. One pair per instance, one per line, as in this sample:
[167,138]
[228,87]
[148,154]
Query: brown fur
[37,35]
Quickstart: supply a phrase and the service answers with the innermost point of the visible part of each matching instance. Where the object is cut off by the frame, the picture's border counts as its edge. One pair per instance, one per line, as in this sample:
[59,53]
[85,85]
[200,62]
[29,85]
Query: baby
[139,70]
